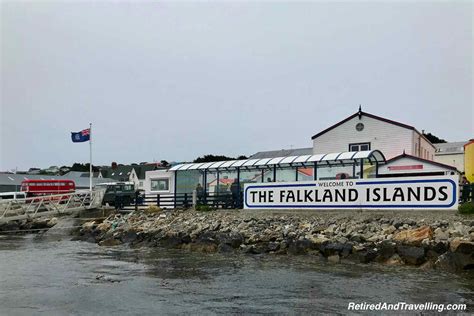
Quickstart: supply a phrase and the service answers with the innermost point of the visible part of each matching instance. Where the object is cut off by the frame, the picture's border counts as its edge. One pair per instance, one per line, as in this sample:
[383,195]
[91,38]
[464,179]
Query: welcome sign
[439,192]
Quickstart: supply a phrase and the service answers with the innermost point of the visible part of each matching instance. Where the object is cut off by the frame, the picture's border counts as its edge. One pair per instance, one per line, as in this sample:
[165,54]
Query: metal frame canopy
[350,157]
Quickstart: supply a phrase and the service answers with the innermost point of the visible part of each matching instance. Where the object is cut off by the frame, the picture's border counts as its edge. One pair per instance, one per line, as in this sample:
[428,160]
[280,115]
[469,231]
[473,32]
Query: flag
[82,136]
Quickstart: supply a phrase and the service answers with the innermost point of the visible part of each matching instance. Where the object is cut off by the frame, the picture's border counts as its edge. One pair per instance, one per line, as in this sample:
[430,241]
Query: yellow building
[469,160]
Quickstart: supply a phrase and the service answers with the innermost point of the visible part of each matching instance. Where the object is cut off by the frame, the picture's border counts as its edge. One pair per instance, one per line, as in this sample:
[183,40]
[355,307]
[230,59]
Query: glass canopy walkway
[230,176]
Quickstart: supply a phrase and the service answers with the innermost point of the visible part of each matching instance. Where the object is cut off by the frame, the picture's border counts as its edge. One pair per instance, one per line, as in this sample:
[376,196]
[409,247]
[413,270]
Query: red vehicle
[47,187]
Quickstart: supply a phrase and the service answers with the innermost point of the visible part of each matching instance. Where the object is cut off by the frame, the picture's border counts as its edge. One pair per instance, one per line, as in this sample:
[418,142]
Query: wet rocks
[392,239]
[411,255]
[414,236]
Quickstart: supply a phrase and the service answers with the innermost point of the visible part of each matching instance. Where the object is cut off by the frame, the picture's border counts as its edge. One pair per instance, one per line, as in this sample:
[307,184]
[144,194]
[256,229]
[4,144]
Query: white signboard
[440,192]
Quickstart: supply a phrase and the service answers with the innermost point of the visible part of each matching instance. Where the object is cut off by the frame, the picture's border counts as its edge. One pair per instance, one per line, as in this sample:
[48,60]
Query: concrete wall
[455,160]
[391,139]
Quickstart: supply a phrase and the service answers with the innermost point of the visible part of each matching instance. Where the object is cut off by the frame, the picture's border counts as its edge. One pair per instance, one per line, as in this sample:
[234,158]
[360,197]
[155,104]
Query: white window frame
[359,146]
[160,179]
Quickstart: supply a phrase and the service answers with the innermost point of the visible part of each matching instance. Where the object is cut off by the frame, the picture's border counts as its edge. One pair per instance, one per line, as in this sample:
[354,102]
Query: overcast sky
[178,80]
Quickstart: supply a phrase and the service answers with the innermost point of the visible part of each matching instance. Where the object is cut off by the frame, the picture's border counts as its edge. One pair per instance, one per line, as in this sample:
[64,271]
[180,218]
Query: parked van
[12,196]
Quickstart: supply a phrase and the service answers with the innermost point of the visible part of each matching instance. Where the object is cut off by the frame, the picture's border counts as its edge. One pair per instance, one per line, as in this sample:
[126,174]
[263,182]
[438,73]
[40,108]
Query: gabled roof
[119,173]
[142,169]
[361,113]
[282,153]
[123,171]
[421,160]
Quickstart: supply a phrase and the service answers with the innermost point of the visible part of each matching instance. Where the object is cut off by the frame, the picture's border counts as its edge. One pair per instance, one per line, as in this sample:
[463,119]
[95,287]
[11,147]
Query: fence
[184,200]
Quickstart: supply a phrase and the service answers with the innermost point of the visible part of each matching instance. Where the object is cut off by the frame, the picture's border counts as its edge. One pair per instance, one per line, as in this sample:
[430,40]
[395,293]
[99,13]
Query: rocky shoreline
[28,225]
[440,240]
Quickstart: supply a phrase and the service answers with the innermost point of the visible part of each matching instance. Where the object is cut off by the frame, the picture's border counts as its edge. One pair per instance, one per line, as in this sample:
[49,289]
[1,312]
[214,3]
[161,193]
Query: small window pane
[160,185]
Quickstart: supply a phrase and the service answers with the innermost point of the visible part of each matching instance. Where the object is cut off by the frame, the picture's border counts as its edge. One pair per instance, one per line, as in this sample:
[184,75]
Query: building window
[140,183]
[359,147]
[159,184]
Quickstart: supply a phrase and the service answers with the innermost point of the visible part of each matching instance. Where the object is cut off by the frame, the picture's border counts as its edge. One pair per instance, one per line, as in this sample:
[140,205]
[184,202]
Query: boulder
[440,234]
[389,230]
[428,265]
[414,236]
[411,255]
[452,261]
[110,242]
[300,247]
[52,221]
[331,248]
[129,237]
[386,249]
[367,255]
[203,247]
[89,225]
[224,248]
[461,246]
[334,259]
[439,246]
[104,226]
[273,246]
[394,260]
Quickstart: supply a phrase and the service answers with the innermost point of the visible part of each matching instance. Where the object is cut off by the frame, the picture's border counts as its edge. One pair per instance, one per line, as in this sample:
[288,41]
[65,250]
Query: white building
[451,154]
[159,182]
[408,166]
[364,131]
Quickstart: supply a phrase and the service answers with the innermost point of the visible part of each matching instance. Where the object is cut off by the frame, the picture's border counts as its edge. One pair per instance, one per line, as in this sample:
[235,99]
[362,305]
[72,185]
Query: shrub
[203,208]
[466,208]
[153,209]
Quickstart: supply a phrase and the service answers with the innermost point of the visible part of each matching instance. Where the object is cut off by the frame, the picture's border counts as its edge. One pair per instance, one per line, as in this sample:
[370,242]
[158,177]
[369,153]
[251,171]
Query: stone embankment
[27,225]
[441,240]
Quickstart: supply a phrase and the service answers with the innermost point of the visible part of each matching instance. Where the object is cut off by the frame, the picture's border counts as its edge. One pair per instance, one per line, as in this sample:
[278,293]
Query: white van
[12,195]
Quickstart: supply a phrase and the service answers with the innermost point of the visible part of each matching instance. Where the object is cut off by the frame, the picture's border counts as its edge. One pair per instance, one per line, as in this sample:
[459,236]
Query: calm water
[51,277]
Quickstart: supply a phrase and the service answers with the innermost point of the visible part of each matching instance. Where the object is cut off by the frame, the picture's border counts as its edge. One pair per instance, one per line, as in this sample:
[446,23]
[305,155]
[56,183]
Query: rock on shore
[426,239]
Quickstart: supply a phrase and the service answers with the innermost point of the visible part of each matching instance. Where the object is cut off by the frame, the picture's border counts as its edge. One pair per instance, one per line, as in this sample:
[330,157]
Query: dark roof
[421,160]
[282,153]
[362,113]
[449,148]
[122,172]
[141,169]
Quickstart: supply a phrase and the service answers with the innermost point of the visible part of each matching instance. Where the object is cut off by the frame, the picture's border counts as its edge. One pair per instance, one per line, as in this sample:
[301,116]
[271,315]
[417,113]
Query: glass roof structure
[350,157]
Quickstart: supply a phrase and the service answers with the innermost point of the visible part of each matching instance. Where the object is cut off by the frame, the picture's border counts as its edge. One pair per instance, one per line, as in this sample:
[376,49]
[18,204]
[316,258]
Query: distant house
[134,173]
[451,154]
[117,173]
[52,170]
[408,165]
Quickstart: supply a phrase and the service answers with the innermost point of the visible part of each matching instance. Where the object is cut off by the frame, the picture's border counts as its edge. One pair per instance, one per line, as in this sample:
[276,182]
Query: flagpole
[90,156]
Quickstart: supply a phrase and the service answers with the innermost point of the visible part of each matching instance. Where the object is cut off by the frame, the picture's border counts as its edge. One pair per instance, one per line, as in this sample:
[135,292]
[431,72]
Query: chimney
[114,165]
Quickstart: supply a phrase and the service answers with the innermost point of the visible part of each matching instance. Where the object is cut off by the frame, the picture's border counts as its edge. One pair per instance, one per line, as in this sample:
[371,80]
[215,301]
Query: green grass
[203,208]
[466,208]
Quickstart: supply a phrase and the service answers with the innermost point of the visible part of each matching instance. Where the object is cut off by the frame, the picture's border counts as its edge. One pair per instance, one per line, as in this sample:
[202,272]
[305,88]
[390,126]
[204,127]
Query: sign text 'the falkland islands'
[396,193]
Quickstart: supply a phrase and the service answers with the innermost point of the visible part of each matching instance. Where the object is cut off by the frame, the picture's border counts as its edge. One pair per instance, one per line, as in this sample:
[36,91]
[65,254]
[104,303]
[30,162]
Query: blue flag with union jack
[82,136]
